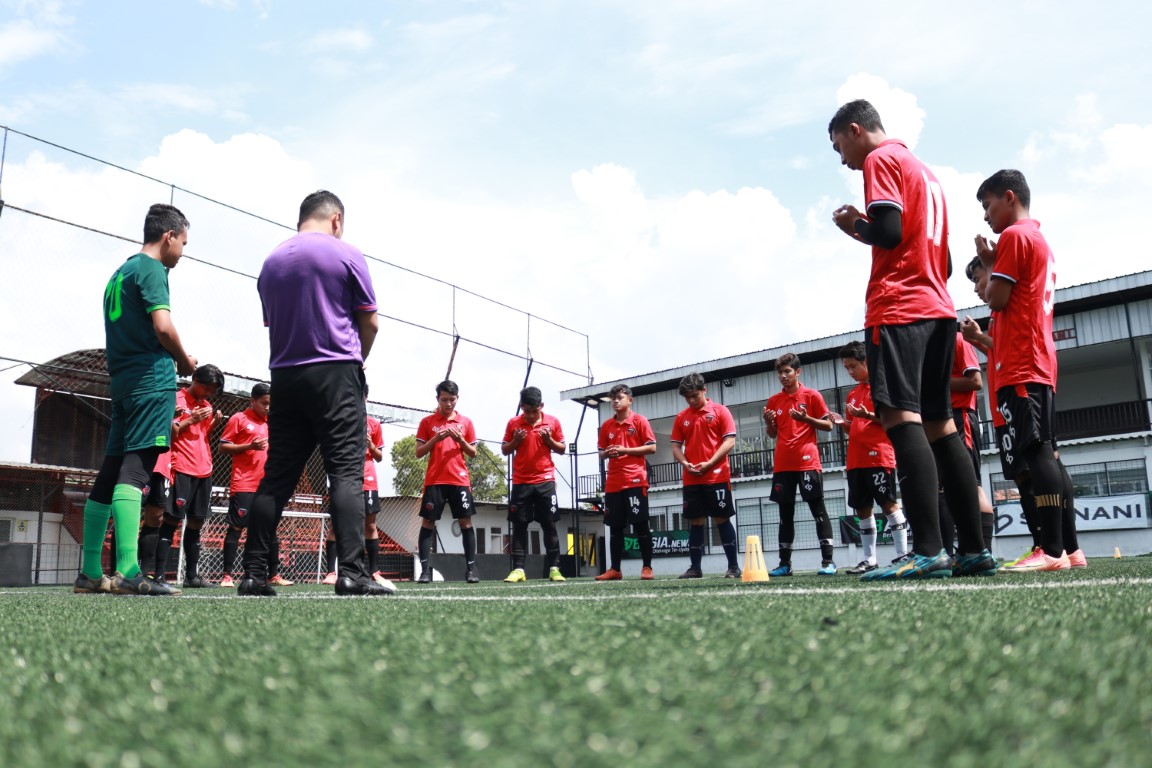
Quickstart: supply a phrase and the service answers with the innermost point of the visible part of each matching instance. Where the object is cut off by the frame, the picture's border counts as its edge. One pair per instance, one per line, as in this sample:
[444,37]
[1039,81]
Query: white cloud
[902,116]
[24,39]
[346,40]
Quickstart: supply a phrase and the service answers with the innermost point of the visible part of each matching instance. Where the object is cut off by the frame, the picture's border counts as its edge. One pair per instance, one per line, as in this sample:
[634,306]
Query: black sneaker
[86,586]
[733,573]
[692,573]
[248,586]
[425,576]
[864,567]
[471,577]
[197,582]
[345,586]
[140,585]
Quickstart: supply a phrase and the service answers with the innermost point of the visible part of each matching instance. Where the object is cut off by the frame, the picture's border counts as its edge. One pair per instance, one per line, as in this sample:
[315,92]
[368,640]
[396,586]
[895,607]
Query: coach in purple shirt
[320,310]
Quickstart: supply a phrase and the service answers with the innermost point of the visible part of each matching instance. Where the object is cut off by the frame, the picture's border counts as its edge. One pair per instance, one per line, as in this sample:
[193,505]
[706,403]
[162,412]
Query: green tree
[489,482]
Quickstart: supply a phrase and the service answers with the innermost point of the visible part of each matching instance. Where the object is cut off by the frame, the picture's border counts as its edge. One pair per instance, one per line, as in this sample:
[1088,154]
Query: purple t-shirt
[311,287]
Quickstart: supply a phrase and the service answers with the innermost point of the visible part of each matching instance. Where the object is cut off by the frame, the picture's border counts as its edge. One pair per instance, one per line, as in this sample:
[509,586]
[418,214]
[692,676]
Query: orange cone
[754,569]
[1116,554]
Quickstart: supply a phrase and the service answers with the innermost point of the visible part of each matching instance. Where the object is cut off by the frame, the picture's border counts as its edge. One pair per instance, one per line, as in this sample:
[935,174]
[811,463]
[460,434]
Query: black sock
[1068,518]
[947,527]
[146,548]
[551,545]
[164,548]
[1047,485]
[616,547]
[191,547]
[787,530]
[728,540]
[469,536]
[643,533]
[372,551]
[424,544]
[958,478]
[695,545]
[988,523]
[823,529]
[330,555]
[231,546]
[1028,509]
[919,482]
[519,543]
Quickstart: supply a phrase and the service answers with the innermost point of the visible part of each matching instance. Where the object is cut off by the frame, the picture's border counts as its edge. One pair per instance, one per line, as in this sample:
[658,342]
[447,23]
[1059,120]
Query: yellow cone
[1116,554]
[754,569]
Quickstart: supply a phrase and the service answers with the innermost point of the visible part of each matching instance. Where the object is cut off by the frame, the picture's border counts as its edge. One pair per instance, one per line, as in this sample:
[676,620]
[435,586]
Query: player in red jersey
[531,438]
[1021,294]
[967,380]
[191,496]
[245,439]
[910,331]
[791,418]
[702,436]
[624,440]
[448,438]
[871,464]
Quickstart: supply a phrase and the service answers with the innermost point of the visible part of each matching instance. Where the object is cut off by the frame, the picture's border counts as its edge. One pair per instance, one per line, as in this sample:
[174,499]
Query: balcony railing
[1100,420]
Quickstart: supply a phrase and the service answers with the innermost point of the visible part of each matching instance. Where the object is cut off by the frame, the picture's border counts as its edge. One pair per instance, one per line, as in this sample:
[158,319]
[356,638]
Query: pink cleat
[1077,559]
[1039,561]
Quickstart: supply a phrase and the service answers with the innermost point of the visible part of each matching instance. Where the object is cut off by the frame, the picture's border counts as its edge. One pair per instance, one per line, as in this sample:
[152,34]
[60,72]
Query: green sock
[126,518]
[95,530]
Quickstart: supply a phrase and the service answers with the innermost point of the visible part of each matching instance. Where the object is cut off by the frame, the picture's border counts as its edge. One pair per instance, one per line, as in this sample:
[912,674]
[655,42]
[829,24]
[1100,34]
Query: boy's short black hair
[209,374]
[162,218]
[693,382]
[449,387]
[531,397]
[260,390]
[620,389]
[860,112]
[853,350]
[788,360]
[972,266]
[319,204]
[1002,181]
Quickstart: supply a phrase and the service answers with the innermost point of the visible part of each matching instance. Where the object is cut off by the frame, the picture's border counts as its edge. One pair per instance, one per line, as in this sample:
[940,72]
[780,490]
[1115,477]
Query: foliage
[486,469]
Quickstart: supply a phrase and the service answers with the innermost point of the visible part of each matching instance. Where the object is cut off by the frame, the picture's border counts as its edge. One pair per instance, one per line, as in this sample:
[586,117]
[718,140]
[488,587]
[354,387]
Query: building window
[480,543]
[1111,478]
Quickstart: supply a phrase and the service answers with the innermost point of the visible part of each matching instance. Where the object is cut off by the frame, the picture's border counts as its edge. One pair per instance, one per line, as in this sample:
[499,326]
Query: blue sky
[654,174]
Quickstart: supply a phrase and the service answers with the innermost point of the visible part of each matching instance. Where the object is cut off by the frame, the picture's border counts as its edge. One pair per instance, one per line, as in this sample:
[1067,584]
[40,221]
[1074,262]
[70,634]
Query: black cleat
[425,576]
[863,568]
[197,582]
[249,587]
[692,573]
[345,586]
[140,585]
[86,586]
[471,577]
[733,573]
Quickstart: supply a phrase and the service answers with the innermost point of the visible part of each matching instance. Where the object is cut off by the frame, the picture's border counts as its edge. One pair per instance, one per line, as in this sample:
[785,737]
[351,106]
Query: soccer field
[1027,669]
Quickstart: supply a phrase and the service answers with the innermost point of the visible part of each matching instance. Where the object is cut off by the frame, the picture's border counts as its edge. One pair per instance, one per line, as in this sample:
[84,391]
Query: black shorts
[238,506]
[1030,411]
[156,494]
[535,502]
[371,502]
[711,500]
[457,497]
[190,497]
[969,428]
[910,366]
[626,507]
[871,485]
[784,485]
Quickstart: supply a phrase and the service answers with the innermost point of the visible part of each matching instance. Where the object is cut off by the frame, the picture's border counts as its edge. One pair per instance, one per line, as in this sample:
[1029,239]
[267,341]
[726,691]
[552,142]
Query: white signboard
[1092,514]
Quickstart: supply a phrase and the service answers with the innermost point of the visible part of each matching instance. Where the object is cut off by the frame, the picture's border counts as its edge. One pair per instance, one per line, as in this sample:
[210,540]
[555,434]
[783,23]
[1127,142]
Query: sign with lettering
[664,544]
[1093,513]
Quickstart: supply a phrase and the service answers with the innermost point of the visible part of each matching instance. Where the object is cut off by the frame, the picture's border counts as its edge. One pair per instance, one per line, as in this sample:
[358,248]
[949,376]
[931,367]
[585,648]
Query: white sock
[898,524]
[868,538]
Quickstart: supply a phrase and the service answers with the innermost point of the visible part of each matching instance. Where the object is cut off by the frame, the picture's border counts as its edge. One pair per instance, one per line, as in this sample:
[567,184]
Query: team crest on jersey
[709,417]
[611,435]
[631,432]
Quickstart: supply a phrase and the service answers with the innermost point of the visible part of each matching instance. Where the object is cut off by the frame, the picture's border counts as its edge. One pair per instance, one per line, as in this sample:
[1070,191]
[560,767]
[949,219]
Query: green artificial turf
[1036,669]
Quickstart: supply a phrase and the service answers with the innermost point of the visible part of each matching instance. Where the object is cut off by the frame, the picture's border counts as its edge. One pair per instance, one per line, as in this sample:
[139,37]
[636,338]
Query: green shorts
[141,421]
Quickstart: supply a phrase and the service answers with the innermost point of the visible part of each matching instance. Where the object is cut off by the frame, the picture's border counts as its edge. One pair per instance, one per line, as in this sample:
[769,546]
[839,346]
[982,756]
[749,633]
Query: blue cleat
[827,569]
[915,567]
[980,564]
[784,569]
